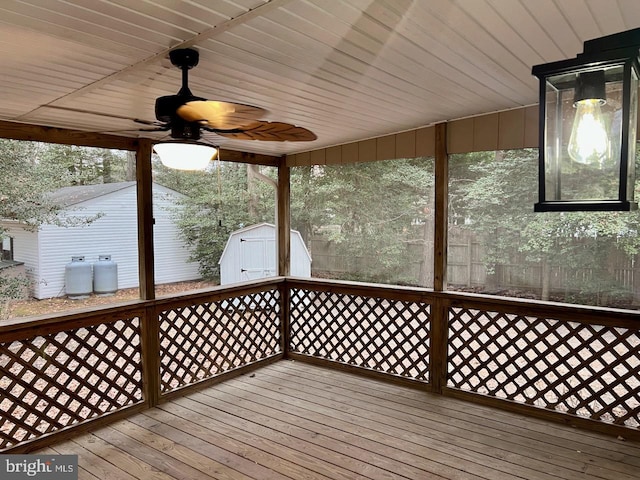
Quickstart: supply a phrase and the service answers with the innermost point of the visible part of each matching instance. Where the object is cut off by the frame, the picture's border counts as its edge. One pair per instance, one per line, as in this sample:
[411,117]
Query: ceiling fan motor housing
[182,130]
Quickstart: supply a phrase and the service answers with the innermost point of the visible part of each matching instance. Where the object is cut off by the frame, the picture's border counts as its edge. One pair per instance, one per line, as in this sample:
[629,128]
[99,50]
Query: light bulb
[589,143]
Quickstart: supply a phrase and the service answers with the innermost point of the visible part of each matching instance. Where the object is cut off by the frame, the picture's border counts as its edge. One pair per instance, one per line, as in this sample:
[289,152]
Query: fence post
[150,345]
[469,260]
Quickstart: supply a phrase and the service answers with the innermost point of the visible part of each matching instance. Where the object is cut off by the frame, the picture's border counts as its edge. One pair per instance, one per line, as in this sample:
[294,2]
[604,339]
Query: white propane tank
[105,276]
[78,278]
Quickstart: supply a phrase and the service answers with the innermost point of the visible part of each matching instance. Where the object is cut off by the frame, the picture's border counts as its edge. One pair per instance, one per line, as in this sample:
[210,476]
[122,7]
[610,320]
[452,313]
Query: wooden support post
[439,312]
[441,209]
[145,220]
[283,220]
[285,325]
[439,337]
[150,339]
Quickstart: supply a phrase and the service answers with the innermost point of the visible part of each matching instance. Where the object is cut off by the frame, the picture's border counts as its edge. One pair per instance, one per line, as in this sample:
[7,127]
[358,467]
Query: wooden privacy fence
[618,282]
[77,371]
[467,270]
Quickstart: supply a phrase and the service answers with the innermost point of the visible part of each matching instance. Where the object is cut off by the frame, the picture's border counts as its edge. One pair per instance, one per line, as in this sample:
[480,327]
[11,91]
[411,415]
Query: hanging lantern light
[588,122]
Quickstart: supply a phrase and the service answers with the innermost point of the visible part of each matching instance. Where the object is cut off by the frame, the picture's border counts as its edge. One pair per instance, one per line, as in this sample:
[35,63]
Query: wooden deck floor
[295,421]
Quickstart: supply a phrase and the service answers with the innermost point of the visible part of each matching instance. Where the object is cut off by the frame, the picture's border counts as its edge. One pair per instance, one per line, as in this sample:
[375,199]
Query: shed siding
[250,253]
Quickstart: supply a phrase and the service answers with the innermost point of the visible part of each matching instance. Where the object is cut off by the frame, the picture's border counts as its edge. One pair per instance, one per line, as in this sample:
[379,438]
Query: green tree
[492,194]
[30,170]
[25,181]
[86,165]
[217,202]
[378,214]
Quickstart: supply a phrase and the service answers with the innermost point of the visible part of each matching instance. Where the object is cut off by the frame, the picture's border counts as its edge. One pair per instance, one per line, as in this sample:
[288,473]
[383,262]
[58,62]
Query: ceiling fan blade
[269,132]
[220,115]
[163,128]
[110,115]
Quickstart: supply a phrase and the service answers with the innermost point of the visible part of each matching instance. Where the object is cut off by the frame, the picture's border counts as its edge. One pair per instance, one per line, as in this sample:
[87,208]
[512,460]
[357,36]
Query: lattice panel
[55,381]
[385,335]
[200,341]
[585,370]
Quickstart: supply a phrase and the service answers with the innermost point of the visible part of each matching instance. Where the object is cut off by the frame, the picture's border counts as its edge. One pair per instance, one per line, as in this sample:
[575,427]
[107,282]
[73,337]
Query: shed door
[257,258]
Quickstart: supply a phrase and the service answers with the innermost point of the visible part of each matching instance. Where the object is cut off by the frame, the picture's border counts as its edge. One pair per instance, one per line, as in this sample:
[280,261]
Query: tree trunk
[253,208]
[131,166]
[107,176]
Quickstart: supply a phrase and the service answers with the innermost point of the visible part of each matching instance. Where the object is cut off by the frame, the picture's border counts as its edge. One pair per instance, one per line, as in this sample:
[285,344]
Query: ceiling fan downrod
[185,59]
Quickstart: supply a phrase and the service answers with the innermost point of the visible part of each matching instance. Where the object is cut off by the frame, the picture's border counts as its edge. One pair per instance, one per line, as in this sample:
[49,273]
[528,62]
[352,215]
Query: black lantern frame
[588,122]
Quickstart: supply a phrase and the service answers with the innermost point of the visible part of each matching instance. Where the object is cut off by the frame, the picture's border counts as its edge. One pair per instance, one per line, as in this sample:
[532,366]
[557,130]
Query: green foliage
[74,165]
[24,182]
[493,194]
[13,288]
[372,212]
[30,170]
[217,202]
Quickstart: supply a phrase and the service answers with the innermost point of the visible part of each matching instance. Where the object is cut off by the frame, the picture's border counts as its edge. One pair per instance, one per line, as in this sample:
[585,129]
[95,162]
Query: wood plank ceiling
[345,69]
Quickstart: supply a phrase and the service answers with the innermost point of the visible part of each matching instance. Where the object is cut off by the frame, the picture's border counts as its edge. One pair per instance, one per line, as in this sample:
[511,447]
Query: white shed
[250,253]
[46,251]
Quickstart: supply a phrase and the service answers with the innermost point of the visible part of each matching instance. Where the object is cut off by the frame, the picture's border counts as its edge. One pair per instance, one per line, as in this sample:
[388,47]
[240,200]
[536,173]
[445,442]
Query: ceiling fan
[185,116]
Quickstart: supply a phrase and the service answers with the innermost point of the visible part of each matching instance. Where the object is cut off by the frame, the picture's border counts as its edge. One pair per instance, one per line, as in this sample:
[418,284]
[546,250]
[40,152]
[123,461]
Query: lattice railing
[200,341]
[382,334]
[61,379]
[82,367]
[581,369]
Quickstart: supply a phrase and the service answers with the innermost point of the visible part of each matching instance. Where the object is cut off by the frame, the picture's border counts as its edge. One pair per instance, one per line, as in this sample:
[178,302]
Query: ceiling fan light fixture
[185,155]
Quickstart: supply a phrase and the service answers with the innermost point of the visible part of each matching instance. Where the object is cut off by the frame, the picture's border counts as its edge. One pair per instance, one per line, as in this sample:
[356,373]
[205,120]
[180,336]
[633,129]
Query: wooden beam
[283,220]
[439,312]
[245,157]
[145,220]
[441,208]
[409,144]
[39,133]
[65,136]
